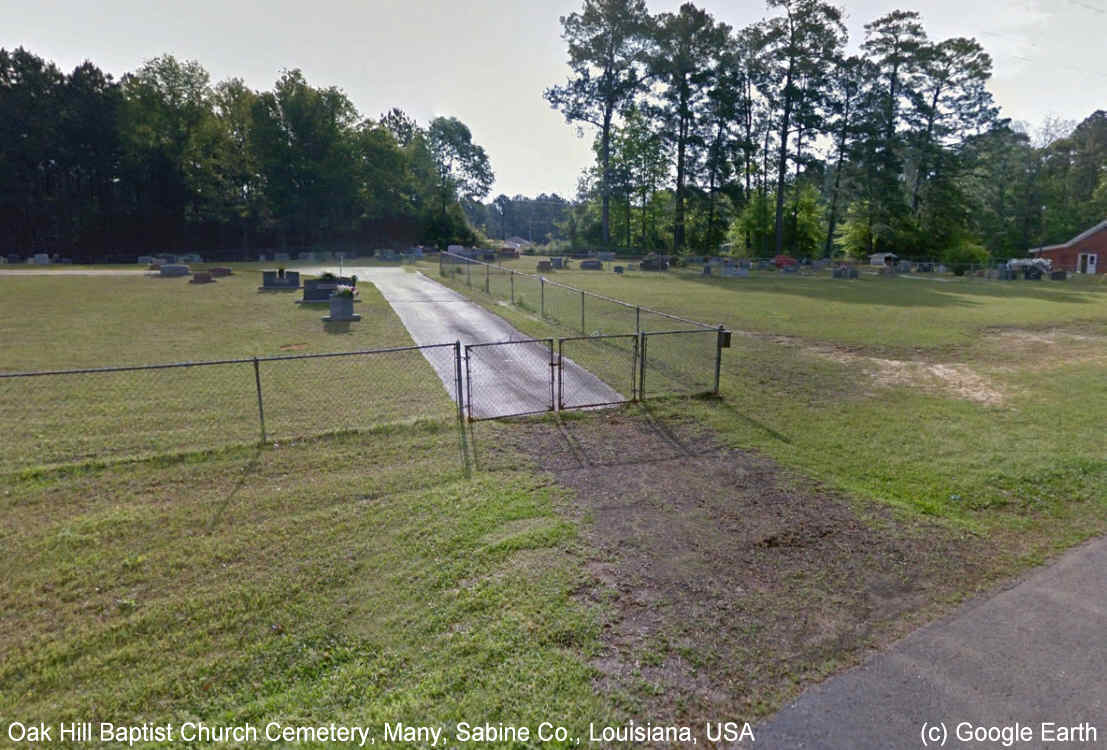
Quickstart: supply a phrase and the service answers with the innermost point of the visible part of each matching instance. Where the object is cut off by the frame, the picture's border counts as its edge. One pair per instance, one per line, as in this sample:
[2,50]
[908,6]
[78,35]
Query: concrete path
[506,380]
[1034,656]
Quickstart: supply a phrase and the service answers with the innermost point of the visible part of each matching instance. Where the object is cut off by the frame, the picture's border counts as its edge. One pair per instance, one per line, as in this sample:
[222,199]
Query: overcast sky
[487,62]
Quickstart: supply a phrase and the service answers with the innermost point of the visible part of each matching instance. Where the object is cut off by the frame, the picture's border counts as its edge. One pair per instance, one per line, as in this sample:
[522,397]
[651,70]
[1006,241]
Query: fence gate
[597,370]
[510,378]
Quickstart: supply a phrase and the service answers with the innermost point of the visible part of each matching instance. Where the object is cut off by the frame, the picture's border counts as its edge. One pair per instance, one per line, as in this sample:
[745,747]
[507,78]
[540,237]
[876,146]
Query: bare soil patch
[734,584]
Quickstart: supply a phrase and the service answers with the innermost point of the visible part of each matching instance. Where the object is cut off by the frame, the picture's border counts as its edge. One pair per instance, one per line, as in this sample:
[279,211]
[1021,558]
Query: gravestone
[606,256]
[618,269]
[201,277]
[845,272]
[145,260]
[632,266]
[279,280]
[545,265]
[789,269]
[591,265]
[1058,276]
[175,269]
[319,290]
[14,259]
[342,310]
[707,270]
[42,259]
[903,267]
[557,262]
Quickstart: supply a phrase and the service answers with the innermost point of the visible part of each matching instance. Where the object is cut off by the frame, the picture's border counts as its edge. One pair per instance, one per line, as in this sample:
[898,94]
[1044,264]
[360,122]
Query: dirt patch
[733,584]
[293,347]
[1044,349]
[953,378]
[956,379]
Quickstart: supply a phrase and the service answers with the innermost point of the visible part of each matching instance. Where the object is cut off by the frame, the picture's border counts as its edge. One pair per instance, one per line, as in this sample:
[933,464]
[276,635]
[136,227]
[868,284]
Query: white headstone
[42,259]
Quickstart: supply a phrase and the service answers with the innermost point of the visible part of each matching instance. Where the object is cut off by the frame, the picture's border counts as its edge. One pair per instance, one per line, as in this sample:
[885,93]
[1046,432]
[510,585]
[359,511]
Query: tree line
[772,139]
[164,159]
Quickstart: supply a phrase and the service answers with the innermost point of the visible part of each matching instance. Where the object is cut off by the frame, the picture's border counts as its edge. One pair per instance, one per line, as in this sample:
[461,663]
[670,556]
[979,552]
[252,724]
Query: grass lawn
[107,321]
[979,402]
[934,437]
[890,314]
[291,584]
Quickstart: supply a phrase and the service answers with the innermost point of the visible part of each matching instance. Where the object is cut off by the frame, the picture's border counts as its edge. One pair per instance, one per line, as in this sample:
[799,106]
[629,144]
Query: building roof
[1078,238]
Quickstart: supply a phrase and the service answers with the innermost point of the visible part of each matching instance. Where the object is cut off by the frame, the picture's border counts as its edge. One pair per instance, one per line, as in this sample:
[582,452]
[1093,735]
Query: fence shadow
[634,434]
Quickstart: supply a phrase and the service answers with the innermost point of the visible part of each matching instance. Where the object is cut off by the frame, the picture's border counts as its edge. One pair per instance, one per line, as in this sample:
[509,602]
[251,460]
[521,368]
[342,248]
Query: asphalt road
[512,379]
[999,668]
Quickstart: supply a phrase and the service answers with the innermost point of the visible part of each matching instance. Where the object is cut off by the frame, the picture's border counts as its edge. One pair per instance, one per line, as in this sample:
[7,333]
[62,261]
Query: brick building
[1085,253]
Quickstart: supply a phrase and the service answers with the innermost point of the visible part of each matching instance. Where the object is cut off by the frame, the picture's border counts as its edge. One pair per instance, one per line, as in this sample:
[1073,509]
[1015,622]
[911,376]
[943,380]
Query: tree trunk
[605,168]
[782,163]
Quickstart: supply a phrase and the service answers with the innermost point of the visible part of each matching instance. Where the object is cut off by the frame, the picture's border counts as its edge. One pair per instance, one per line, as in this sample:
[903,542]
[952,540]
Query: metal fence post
[468,273]
[718,357]
[634,371]
[513,287]
[582,333]
[468,385]
[457,380]
[487,279]
[642,367]
[542,297]
[261,408]
[560,372]
[637,318]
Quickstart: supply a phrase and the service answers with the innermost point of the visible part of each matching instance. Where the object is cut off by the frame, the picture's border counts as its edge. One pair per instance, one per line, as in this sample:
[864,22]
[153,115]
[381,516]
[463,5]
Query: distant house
[1084,253]
[882,259]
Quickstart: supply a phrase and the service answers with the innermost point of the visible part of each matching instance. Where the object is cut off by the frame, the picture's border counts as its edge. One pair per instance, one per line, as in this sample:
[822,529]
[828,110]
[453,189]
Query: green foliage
[856,235]
[751,233]
[965,253]
[163,159]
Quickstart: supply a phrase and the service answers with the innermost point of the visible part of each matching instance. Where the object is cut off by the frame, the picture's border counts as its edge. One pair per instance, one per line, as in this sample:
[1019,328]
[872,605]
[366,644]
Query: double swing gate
[532,376]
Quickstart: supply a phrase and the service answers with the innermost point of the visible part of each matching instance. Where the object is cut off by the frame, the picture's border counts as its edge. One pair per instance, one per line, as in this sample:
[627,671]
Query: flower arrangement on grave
[343,290]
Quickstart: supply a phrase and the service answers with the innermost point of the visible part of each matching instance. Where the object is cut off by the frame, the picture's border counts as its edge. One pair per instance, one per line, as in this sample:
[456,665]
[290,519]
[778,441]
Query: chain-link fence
[509,378]
[597,370]
[578,310]
[109,413]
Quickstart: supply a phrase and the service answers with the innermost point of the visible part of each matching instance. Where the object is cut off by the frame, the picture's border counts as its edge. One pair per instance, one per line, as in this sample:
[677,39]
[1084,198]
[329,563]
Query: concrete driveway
[511,379]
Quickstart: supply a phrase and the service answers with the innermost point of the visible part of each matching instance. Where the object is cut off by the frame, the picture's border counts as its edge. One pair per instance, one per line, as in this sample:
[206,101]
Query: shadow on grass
[905,292]
[248,471]
[568,438]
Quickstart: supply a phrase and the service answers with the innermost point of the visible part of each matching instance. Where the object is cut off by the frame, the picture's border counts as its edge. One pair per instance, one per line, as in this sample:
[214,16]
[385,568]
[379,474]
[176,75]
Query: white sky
[487,62]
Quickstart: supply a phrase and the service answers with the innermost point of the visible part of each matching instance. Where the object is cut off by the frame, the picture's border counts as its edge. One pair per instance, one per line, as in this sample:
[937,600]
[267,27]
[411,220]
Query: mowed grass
[979,402]
[354,579]
[69,322]
[892,314]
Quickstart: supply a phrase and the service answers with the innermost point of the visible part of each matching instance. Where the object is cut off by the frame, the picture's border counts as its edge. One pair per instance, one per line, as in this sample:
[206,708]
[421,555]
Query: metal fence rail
[577,309]
[67,416]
